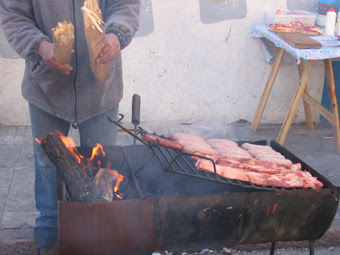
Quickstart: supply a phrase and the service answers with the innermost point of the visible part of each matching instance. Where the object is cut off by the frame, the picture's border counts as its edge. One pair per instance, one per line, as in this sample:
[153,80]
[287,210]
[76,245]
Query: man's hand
[46,51]
[110,51]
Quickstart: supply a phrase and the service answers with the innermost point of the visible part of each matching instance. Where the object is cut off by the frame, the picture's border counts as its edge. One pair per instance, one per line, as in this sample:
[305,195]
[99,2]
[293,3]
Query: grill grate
[181,163]
[177,162]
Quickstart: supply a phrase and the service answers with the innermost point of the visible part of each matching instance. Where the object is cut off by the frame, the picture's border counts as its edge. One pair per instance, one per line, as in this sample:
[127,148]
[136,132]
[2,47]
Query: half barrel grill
[184,208]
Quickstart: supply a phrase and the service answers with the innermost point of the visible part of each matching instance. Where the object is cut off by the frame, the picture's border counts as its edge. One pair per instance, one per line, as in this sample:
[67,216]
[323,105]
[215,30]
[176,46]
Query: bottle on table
[338,28]
[330,22]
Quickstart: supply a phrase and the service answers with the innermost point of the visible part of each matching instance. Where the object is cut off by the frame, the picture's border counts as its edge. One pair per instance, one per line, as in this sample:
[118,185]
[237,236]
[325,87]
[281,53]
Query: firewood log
[79,186]
[104,181]
[63,39]
[95,38]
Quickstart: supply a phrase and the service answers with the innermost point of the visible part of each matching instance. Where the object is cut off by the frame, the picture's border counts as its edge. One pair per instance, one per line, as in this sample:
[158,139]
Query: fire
[92,162]
[71,146]
[97,151]
[120,178]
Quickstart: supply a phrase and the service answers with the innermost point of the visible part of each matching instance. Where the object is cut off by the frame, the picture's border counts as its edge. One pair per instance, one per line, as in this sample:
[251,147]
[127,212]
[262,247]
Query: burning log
[80,187]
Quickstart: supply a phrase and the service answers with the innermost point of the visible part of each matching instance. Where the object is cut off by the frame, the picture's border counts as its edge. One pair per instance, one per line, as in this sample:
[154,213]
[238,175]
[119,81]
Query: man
[60,95]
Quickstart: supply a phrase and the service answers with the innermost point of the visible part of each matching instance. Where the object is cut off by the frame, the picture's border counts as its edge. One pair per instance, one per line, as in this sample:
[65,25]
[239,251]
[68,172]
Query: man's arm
[121,18]
[19,28]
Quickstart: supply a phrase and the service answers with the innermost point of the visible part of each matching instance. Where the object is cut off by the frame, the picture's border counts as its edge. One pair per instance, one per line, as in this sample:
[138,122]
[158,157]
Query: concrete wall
[191,60]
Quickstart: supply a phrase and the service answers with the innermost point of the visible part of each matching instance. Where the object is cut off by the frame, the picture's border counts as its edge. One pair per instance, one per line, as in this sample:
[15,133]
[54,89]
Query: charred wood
[79,186]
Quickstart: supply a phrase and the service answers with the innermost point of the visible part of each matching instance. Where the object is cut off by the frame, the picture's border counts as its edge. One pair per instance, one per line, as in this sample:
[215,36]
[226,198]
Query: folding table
[306,59]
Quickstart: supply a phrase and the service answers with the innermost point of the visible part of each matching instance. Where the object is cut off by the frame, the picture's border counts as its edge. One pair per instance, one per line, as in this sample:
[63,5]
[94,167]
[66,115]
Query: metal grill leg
[272,249]
[311,247]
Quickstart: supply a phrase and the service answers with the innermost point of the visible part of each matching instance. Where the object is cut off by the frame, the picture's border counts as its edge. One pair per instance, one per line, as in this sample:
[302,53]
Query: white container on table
[330,22]
[304,17]
[338,30]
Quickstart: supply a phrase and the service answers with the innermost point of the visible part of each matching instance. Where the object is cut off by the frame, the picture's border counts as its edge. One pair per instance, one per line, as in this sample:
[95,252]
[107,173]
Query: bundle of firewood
[95,37]
[63,38]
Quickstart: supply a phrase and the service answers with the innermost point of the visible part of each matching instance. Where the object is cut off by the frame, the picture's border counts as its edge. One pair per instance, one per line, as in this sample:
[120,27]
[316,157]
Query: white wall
[186,71]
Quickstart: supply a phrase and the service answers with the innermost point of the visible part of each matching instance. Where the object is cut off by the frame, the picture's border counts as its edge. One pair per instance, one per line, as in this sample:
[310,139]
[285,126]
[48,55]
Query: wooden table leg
[333,102]
[267,90]
[295,103]
[307,107]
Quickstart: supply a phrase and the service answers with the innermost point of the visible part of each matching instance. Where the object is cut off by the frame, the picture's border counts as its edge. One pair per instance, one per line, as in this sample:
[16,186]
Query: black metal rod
[273,248]
[127,131]
[137,185]
[311,247]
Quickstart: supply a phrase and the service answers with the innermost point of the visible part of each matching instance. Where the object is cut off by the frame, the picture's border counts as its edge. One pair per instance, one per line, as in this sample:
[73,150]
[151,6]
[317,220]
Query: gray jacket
[75,97]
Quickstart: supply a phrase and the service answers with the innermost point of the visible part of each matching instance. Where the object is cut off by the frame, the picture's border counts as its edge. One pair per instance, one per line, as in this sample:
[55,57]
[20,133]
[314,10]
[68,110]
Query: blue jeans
[91,132]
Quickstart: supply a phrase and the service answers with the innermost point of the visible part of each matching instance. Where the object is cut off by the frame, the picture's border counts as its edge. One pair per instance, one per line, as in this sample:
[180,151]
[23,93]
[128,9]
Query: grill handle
[136,109]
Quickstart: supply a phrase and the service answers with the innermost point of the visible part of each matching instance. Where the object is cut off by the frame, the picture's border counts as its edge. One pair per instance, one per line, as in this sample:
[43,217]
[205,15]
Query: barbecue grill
[168,204]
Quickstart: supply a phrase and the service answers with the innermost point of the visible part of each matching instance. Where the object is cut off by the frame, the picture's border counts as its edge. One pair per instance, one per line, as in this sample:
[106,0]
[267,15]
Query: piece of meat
[296,166]
[192,149]
[233,150]
[277,161]
[213,156]
[221,142]
[293,181]
[277,181]
[265,156]
[162,141]
[255,161]
[184,136]
[224,171]
[275,171]
[198,144]
[207,165]
[257,178]
[256,152]
[312,182]
[223,160]
[247,146]
[263,169]
[235,156]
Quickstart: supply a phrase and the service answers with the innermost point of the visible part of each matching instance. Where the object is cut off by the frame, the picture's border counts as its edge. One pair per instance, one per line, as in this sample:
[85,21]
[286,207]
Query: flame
[71,146]
[97,152]
[37,140]
[120,178]
[93,161]
[120,197]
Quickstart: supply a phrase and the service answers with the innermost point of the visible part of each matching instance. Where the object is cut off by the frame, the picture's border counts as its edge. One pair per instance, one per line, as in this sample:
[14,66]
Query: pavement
[17,202]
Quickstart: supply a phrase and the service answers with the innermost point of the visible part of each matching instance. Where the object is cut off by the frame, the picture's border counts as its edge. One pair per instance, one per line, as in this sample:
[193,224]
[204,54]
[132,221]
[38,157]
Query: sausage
[184,136]
[247,146]
[198,144]
[232,150]
[162,141]
[221,142]
[193,149]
